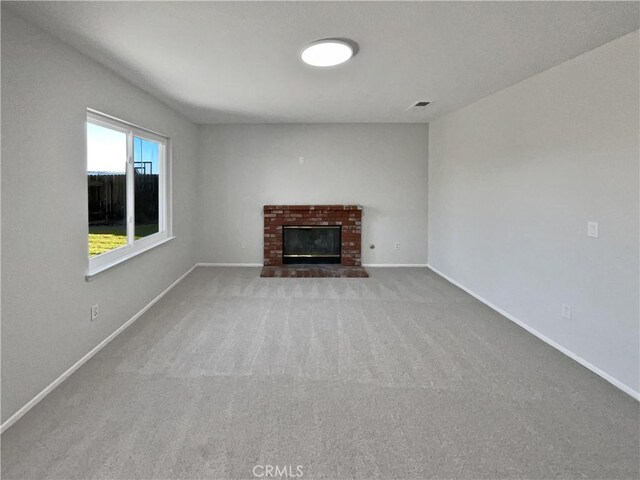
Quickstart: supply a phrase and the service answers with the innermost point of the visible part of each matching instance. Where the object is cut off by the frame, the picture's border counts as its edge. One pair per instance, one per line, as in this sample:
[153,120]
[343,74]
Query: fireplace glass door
[311,244]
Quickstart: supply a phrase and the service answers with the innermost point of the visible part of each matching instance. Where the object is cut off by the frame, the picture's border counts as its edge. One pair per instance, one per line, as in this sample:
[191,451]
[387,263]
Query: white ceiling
[238,62]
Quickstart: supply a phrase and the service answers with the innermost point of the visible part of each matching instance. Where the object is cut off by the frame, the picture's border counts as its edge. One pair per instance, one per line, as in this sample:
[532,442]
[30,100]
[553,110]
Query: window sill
[93,273]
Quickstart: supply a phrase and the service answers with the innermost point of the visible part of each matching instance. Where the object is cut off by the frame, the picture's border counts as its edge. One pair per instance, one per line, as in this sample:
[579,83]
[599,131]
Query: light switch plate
[592,229]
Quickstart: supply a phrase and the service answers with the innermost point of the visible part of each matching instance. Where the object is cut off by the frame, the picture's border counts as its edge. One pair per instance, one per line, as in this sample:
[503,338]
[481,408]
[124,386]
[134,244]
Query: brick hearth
[315,271]
[347,216]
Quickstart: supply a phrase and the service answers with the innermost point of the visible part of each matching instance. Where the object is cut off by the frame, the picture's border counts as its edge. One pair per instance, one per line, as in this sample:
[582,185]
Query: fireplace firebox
[311,244]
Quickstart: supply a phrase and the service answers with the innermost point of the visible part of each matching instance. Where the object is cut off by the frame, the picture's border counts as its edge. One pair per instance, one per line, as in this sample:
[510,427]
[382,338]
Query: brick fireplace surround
[347,216]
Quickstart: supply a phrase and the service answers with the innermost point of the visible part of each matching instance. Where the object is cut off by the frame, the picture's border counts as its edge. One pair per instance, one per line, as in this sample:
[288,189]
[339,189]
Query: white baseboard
[615,382]
[49,388]
[229,265]
[375,265]
[394,265]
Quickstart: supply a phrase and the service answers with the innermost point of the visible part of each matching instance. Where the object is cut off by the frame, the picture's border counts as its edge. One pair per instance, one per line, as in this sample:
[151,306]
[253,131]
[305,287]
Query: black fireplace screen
[311,244]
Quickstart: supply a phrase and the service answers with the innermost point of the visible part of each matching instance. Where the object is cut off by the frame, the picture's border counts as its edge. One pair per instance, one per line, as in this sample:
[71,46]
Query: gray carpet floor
[401,375]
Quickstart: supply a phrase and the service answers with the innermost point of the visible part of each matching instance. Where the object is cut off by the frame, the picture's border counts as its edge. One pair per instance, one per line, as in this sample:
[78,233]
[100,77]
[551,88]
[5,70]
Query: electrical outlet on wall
[396,246]
[566,311]
[243,245]
[592,229]
[95,311]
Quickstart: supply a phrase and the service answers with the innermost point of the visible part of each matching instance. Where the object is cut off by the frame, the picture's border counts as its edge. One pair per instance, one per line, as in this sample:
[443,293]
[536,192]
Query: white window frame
[104,261]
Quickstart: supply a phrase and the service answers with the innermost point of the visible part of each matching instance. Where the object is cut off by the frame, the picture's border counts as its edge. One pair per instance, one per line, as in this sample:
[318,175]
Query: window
[128,179]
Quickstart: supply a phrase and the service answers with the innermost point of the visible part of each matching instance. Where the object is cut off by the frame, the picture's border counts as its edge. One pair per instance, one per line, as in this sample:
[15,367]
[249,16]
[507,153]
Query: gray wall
[513,181]
[46,88]
[382,167]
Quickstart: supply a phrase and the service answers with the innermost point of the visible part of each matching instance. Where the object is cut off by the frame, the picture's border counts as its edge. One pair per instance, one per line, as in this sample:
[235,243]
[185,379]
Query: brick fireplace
[347,217]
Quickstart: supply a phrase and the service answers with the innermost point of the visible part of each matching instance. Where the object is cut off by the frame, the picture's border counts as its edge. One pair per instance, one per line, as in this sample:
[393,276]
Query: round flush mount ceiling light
[329,52]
